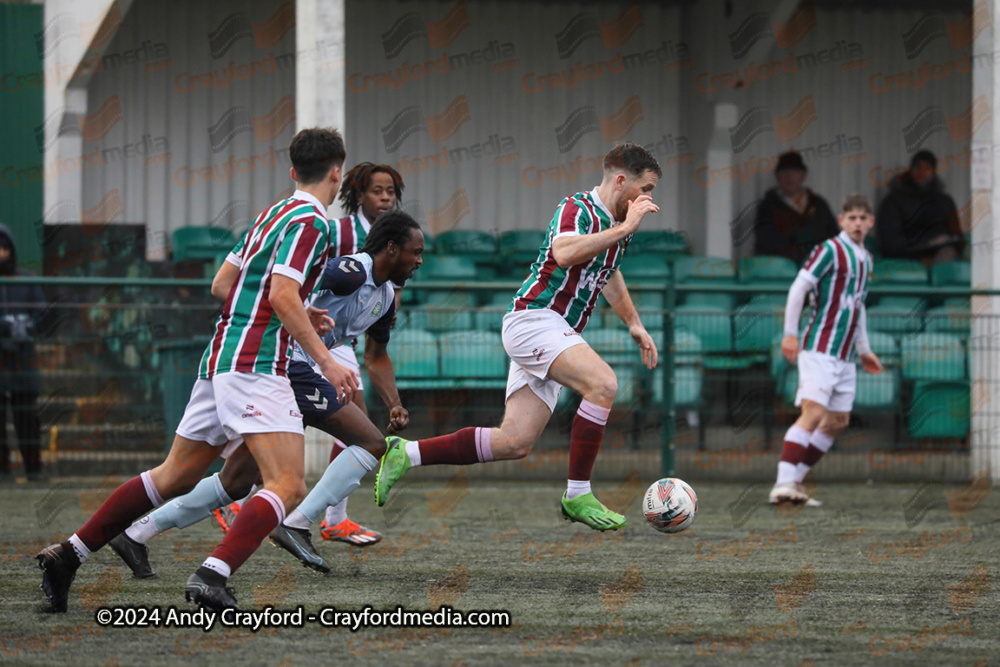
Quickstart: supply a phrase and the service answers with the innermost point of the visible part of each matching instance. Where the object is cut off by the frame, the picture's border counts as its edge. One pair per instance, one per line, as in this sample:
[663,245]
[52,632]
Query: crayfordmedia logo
[584,120]
[237,26]
[585,26]
[932,27]
[932,120]
[412,25]
[758,26]
[238,119]
[760,119]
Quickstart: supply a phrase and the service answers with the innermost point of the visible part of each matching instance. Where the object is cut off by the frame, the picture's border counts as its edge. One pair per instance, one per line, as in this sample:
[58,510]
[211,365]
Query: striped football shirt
[572,291]
[291,238]
[839,270]
[350,234]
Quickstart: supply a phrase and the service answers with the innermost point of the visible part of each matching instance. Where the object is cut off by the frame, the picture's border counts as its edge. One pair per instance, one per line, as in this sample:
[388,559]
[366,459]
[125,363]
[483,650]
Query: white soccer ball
[670,505]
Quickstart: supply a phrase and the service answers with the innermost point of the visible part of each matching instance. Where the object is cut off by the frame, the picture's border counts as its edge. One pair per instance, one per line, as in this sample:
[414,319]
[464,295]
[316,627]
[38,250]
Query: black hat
[923,156]
[790,160]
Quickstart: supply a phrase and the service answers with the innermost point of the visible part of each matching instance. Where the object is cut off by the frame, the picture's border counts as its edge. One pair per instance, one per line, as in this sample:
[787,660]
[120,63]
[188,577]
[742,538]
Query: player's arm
[290,309]
[869,361]
[224,279]
[295,257]
[577,247]
[817,265]
[381,372]
[616,293]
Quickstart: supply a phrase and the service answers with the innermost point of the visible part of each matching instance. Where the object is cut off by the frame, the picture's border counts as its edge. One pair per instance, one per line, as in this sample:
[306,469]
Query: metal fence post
[667,359]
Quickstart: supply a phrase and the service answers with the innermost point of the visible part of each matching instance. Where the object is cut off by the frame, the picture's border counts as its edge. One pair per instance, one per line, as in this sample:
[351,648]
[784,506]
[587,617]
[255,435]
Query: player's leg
[835,419]
[218,490]
[582,369]
[793,453]
[185,464]
[530,402]
[336,526]
[256,407]
[340,478]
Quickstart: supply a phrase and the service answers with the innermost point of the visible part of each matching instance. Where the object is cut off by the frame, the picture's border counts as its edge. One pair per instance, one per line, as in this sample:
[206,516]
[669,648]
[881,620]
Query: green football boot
[588,510]
[395,463]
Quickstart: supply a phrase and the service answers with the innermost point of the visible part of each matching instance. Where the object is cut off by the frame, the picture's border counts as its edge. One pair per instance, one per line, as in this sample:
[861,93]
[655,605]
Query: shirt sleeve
[861,338]
[796,301]
[235,256]
[819,263]
[572,219]
[343,276]
[305,243]
[380,330]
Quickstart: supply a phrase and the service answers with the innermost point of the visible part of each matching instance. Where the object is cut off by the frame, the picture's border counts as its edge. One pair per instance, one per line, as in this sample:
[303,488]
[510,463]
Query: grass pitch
[883,575]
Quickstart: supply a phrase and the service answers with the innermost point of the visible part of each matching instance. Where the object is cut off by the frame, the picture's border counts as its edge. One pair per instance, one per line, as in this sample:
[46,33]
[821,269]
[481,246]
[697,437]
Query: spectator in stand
[791,218]
[917,219]
[21,309]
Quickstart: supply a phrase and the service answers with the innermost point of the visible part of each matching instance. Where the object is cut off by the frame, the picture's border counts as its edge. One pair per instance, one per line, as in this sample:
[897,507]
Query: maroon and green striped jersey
[291,238]
[572,291]
[839,270]
[349,235]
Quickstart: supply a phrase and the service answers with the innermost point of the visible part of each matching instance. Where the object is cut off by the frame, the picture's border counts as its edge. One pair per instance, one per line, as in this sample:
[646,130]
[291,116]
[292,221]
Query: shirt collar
[367,226]
[847,239]
[597,198]
[302,194]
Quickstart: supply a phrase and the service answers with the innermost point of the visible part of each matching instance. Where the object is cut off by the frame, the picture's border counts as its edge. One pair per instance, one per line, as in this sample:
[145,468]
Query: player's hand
[637,208]
[342,379]
[871,364]
[646,345]
[790,348]
[399,419]
[321,322]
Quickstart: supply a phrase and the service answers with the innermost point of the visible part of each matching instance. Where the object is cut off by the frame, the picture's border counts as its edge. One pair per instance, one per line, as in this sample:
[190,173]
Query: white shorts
[231,404]
[826,380]
[344,355]
[533,339]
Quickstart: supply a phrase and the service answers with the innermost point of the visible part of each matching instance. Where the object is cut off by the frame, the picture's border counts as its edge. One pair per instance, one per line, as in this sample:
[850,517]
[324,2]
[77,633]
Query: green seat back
[662,243]
[934,356]
[466,242]
[899,272]
[414,354]
[957,273]
[472,354]
[767,269]
[201,243]
[711,325]
[939,410]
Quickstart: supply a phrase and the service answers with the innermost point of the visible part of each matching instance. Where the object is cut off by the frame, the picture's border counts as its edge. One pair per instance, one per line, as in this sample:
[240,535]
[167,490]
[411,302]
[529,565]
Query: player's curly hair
[392,226]
[359,179]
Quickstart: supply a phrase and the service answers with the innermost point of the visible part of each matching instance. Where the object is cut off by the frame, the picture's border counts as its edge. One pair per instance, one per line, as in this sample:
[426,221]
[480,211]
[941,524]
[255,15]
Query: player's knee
[604,388]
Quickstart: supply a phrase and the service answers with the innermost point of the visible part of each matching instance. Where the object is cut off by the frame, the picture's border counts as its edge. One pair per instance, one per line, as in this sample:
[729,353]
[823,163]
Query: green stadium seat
[467,242]
[201,243]
[414,354]
[954,316]
[661,243]
[706,270]
[445,268]
[897,314]
[711,324]
[472,356]
[756,323]
[955,273]
[520,246]
[877,393]
[899,272]
[767,269]
[886,348]
[644,268]
[444,311]
[788,385]
[615,346]
[934,356]
[687,347]
[490,317]
[939,410]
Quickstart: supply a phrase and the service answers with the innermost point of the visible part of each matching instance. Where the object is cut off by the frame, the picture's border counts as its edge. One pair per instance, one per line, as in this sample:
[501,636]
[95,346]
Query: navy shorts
[315,396]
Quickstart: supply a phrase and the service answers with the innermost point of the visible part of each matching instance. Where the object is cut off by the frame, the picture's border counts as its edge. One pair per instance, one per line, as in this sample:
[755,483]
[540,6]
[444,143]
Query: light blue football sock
[207,496]
[340,479]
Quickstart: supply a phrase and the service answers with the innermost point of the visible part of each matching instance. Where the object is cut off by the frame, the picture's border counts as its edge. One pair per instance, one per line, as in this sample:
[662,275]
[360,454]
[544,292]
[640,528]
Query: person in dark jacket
[21,309]
[917,219]
[791,218]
